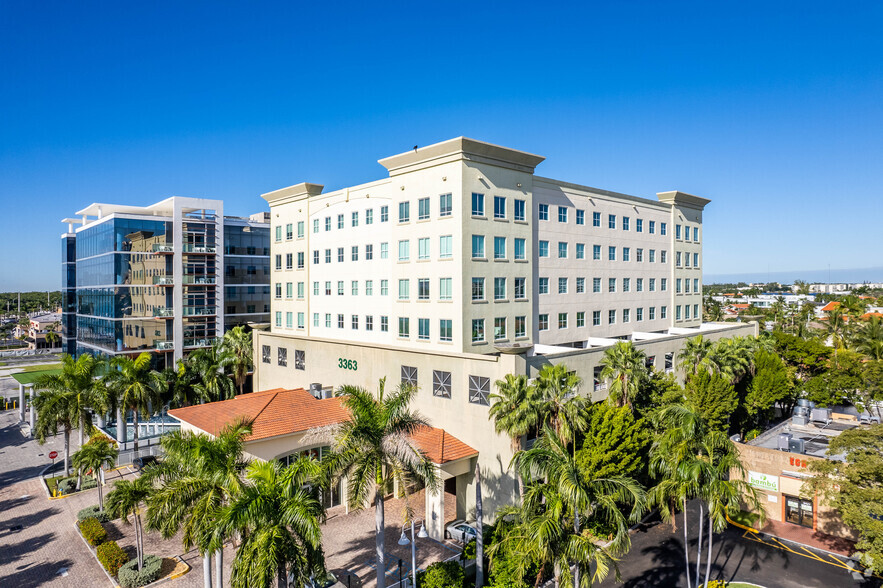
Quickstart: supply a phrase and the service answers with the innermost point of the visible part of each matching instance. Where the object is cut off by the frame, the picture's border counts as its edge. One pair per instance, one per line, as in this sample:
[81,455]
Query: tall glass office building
[166,278]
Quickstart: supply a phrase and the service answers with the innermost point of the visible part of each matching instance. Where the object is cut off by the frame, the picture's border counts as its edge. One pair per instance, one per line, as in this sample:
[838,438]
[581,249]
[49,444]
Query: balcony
[600,386]
[200,342]
[163,248]
[200,311]
[163,345]
[163,280]
[163,312]
[200,280]
[200,249]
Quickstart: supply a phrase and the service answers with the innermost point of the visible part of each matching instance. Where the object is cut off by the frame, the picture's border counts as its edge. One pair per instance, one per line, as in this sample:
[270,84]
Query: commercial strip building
[164,278]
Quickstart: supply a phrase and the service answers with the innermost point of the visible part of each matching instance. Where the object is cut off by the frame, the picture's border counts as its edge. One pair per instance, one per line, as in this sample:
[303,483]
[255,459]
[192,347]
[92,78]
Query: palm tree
[515,411]
[136,386]
[199,475]
[95,455]
[693,356]
[124,500]
[732,358]
[278,517]
[372,448]
[869,340]
[836,328]
[56,409]
[559,400]
[626,366]
[237,346]
[209,366]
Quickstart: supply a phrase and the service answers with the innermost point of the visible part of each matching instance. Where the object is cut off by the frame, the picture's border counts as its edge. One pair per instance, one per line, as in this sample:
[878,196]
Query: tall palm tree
[869,340]
[515,410]
[836,328]
[56,409]
[95,455]
[209,366]
[626,366]
[237,346]
[732,358]
[372,448]
[124,500]
[199,475]
[136,387]
[559,400]
[693,356]
[278,516]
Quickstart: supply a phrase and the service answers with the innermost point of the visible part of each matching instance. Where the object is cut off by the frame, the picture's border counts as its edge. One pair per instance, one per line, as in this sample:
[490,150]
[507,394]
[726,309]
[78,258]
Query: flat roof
[816,439]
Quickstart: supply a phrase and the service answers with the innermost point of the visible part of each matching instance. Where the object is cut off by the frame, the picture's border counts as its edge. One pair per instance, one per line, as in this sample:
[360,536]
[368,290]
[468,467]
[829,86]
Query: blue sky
[772,110]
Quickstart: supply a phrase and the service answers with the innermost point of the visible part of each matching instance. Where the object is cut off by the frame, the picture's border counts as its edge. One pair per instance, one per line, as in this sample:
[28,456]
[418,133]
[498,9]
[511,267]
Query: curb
[804,545]
[741,526]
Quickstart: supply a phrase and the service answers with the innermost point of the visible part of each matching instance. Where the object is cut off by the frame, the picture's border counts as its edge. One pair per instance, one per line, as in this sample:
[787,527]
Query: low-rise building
[37,332]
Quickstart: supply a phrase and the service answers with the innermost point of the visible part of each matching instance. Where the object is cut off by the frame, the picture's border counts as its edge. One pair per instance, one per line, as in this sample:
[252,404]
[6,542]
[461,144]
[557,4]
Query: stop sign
[53,454]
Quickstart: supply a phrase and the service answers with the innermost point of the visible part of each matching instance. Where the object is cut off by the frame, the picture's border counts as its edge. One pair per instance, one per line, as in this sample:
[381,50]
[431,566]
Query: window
[423,329]
[499,328]
[663,312]
[289,290]
[404,250]
[662,256]
[663,284]
[289,261]
[300,229]
[519,210]
[404,289]
[696,234]
[423,209]
[384,214]
[315,288]
[562,250]
[354,287]
[678,259]
[445,250]
[677,231]
[651,313]
[423,289]
[651,227]
[369,252]
[611,253]
[340,254]
[445,330]
[478,247]
[499,207]
[687,285]
[327,256]
[639,254]
[300,290]
[369,287]
[596,219]
[445,288]
[562,214]
[686,312]
[519,250]
[596,318]
[580,285]
[626,315]
[661,228]
[520,293]
[499,288]
[282,356]
[423,248]
[355,253]
[339,221]
[441,384]
[562,285]
[477,204]
[300,320]
[625,223]
[580,217]
[300,260]
[695,260]
[479,389]
[678,312]
[289,232]
[265,353]
[543,286]
[384,251]
[611,284]
[562,320]
[279,233]
[384,324]
[611,317]
[581,319]
[477,330]
[409,376]
[404,326]
[278,290]
[315,225]
[695,311]
[678,286]
[544,212]
[355,219]
[696,285]
[611,221]
[596,285]
[626,254]
[478,288]
[444,205]
[652,257]
[327,223]
[544,249]
[580,250]
[369,216]
[340,288]
[315,319]
[384,287]
[520,326]
[327,288]
[543,322]
[404,211]
[639,225]
[596,252]
[639,285]
[626,284]
[499,247]
[316,257]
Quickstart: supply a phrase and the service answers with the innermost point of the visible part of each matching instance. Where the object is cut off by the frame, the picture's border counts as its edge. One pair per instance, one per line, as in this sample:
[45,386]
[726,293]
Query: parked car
[141,462]
[460,531]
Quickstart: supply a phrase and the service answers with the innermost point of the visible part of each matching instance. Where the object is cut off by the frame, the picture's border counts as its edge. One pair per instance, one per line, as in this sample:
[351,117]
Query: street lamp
[403,540]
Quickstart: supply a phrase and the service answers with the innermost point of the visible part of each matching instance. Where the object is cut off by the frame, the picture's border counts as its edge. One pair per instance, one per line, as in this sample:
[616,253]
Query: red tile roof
[740,305]
[869,315]
[830,306]
[283,412]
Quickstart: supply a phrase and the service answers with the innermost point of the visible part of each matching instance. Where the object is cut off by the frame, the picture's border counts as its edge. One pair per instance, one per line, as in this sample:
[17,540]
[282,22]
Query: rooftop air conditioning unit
[797,446]
[821,415]
[316,390]
[784,443]
[799,419]
[327,392]
[803,402]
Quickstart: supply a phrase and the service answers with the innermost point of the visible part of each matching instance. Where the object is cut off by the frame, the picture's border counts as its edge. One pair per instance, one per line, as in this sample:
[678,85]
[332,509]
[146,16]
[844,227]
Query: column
[33,415]
[121,427]
[21,401]
[435,510]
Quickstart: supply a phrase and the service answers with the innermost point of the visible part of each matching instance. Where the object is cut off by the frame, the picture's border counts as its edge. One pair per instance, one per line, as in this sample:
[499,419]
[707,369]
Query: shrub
[88,483]
[93,512]
[130,577]
[442,574]
[67,485]
[112,557]
[92,531]
[469,550]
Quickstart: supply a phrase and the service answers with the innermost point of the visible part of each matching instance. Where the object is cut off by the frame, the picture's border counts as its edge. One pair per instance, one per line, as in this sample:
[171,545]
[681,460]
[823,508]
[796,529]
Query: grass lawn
[32,372]
[749,519]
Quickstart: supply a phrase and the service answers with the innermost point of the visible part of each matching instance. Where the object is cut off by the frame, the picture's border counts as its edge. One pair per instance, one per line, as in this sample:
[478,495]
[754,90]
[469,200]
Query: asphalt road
[656,559]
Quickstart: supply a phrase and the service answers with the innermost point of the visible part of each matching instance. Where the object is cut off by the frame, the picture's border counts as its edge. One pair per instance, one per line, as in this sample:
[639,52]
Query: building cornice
[461,148]
[676,198]
[292,193]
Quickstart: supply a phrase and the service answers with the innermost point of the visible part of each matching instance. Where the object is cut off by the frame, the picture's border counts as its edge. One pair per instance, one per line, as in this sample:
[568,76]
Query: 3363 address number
[347,364]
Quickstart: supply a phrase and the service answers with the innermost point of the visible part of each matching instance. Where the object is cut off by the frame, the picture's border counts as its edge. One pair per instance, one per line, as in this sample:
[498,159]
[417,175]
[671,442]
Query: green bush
[92,531]
[93,512]
[469,549]
[67,485]
[130,577]
[442,574]
[88,483]
[112,557]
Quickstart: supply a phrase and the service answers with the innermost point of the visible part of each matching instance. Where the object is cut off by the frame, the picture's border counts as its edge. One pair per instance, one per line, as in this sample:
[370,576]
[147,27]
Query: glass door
[799,511]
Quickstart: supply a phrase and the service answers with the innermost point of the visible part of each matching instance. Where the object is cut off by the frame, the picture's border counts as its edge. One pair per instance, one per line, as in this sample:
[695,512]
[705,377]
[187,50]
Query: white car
[460,531]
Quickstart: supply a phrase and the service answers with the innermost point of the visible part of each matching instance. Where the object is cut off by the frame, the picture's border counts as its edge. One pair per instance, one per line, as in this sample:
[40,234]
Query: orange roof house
[830,306]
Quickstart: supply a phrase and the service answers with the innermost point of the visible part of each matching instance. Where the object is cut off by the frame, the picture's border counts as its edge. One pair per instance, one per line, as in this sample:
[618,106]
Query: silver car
[460,531]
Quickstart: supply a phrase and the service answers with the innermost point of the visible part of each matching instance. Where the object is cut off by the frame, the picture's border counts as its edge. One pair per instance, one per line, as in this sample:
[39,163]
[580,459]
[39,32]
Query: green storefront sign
[763,481]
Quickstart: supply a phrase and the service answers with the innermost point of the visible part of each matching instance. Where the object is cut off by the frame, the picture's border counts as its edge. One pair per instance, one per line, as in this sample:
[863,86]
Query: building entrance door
[799,511]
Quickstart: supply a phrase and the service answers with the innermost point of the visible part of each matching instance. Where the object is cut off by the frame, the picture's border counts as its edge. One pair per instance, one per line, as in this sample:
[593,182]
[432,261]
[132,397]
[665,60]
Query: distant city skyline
[771,111]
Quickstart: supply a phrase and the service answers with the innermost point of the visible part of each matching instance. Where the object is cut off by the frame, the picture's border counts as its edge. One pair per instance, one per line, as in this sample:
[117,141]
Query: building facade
[165,278]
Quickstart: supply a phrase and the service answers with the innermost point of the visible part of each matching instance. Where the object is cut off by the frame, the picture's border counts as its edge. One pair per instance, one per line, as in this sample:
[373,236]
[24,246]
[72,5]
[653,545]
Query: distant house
[39,326]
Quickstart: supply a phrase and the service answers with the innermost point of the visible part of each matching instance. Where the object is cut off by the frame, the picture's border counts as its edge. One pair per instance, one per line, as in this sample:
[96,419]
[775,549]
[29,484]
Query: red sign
[53,454]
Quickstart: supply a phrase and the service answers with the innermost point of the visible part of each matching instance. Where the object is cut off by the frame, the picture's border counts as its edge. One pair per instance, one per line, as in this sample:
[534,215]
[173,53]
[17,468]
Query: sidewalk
[809,538]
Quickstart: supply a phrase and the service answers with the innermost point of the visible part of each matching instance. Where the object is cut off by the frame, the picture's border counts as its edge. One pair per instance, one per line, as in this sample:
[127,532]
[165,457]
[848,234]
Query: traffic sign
[53,454]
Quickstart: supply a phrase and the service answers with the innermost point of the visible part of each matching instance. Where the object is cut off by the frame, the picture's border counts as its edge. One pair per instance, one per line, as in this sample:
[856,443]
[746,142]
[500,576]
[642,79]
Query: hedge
[130,577]
[67,485]
[93,511]
[112,557]
[442,574]
[92,531]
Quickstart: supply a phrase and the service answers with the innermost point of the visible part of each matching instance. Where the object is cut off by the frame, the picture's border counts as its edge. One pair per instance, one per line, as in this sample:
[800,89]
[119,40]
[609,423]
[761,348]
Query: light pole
[403,540]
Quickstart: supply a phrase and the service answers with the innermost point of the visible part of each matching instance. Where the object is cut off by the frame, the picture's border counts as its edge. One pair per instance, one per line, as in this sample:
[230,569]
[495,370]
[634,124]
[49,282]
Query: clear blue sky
[772,110]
